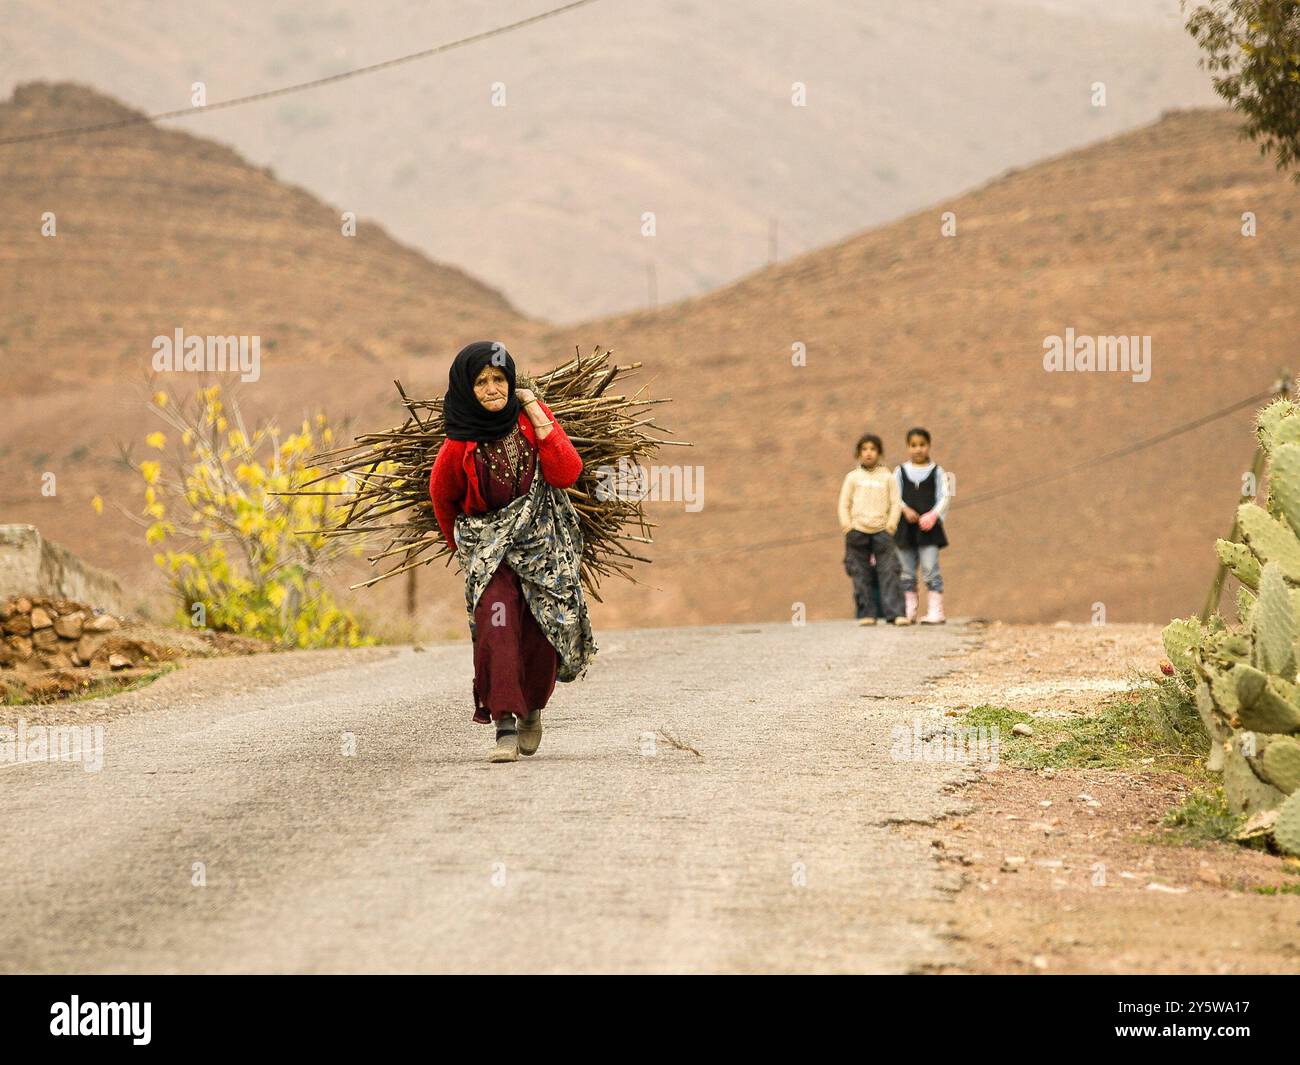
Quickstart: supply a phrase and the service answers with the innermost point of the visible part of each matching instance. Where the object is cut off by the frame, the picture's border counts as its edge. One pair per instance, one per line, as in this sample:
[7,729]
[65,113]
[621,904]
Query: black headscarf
[466,418]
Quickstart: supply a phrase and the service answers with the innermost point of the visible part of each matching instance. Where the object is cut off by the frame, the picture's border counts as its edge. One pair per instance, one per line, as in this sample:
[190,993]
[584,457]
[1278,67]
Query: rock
[18,625]
[23,605]
[7,610]
[1021,729]
[56,660]
[69,626]
[117,661]
[1012,864]
[46,637]
[41,618]
[1258,824]
[88,646]
[1210,876]
[21,646]
[1153,886]
[103,623]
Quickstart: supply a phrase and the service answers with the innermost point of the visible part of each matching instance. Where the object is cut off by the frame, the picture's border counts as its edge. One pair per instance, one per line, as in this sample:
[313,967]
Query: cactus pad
[1270,540]
[1246,793]
[1271,711]
[1273,625]
[1286,829]
[1179,637]
[1284,483]
[1280,764]
[1238,559]
[1277,424]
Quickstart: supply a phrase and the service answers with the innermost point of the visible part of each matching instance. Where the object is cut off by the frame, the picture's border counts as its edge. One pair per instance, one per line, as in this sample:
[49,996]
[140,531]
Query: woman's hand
[532,407]
[911,515]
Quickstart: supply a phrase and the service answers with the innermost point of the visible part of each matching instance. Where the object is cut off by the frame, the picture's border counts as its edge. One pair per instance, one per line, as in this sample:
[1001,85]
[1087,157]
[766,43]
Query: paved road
[415,854]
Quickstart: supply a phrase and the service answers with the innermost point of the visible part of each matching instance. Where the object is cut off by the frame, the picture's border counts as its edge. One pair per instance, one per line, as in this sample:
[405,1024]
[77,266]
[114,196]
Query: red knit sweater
[453,484]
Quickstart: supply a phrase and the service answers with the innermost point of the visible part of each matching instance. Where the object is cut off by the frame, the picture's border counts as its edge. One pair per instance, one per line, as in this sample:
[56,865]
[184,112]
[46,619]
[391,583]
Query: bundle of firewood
[390,472]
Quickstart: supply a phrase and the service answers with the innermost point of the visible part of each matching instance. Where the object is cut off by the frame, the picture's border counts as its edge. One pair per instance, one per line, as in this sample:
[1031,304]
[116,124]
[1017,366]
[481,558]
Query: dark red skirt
[514,662]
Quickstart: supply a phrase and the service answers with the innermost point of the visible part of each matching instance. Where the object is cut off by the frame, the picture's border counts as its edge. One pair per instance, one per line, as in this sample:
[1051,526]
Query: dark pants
[858,549]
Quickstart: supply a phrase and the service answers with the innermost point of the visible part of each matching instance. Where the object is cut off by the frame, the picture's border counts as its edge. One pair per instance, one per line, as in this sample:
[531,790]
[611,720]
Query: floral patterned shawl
[536,535]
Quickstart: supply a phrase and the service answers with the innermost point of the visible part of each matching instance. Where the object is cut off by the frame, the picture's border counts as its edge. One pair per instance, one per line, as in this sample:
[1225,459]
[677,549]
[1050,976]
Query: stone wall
[33,566]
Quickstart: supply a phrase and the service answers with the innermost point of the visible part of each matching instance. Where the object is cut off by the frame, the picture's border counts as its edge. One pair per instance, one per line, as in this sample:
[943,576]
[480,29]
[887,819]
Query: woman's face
[492,388]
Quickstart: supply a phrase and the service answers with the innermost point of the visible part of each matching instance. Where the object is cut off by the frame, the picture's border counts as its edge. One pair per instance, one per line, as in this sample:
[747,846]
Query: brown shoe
[902,619]
[530,733]
[507,748]
[866,621]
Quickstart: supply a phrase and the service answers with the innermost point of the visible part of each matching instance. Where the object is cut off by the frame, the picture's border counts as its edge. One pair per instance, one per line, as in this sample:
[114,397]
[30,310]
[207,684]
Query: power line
[995,493]
[184,112]
[1128,449]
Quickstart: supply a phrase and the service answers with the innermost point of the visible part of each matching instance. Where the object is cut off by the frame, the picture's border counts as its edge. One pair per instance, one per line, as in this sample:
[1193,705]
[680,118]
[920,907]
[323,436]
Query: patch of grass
[1015,750]
[1156,719]
[1203,817]
[99,689]
[1278,889]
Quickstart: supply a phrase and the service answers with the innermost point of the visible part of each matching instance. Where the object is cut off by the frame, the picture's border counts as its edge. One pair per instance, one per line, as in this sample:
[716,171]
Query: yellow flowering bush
[239,556]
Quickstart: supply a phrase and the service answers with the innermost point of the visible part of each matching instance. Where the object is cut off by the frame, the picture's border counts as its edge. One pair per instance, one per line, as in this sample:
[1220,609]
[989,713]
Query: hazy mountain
[676,107]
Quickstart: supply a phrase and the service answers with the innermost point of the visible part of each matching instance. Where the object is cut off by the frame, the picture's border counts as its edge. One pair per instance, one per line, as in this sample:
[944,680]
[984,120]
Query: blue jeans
[928,556]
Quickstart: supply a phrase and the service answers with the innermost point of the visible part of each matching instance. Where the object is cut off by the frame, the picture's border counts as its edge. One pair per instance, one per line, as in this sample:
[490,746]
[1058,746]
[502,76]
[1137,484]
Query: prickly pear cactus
[1245,679]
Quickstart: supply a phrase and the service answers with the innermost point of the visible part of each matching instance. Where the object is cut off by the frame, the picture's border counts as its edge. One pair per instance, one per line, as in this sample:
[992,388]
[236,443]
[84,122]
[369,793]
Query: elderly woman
[517,540]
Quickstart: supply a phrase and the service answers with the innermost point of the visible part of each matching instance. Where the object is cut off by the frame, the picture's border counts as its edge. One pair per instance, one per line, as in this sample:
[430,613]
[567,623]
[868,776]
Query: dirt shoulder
[1075,869]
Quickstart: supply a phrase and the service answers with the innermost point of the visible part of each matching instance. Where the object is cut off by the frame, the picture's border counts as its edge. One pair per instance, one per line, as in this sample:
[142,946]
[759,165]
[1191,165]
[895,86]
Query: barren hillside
[1140,234]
